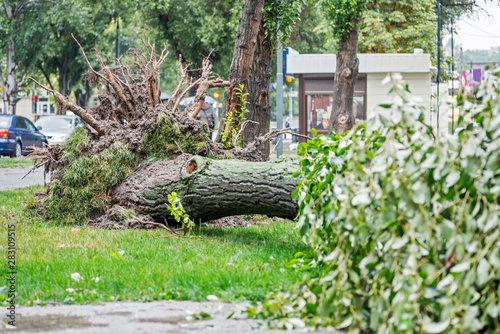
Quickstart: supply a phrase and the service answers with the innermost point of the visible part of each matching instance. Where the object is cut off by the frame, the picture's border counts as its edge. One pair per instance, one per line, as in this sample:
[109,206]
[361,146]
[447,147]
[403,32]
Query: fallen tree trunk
[211,188]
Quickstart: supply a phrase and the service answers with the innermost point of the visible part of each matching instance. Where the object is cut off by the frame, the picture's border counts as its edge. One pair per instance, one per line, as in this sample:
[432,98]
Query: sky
[480,33]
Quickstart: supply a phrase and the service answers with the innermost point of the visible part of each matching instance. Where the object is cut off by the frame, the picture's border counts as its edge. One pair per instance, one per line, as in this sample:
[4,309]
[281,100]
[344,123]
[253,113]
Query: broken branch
[66,103]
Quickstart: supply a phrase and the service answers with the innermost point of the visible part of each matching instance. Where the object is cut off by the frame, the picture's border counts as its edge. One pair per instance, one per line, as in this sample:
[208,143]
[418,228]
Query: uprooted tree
[139,150]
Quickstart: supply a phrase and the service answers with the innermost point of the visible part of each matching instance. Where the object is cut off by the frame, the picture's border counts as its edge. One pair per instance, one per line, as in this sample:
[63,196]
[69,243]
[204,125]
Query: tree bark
[258,93]
[346,74]
[11,84]
[246,48]
[211,189]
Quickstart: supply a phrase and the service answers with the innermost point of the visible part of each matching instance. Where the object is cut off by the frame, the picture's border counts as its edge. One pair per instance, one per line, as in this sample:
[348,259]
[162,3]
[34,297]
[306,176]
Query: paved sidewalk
[135,317]
[12,177]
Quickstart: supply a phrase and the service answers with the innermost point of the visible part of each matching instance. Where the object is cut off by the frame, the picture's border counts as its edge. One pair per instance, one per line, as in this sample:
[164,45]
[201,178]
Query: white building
[316,75]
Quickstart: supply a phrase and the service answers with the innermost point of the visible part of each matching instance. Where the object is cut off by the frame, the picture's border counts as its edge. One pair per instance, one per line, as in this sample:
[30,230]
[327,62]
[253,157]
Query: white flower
[96,279]
[77,277]
[121,252]
[271,257]
[70,290]
[212,298]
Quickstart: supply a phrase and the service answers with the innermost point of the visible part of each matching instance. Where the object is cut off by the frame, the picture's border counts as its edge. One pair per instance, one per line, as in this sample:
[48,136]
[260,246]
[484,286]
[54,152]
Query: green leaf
[436,327]
[452,178]
[461,267]
[483,269]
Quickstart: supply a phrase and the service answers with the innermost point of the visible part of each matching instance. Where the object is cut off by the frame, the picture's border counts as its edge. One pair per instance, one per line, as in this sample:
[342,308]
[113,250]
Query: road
[135,317]
[12,177]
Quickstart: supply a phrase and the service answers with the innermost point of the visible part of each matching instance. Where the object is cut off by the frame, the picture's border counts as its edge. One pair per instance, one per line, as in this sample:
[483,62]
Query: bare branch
[218,83]
[243,126]
[45,75]
[23,77]
[184,93]
[201,92]
[117,88]
[181,82]
[88,62]
[70,105]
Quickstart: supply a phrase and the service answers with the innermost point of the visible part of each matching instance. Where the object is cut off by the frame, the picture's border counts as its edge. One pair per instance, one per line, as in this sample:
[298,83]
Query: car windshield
[55,123]
[5,122]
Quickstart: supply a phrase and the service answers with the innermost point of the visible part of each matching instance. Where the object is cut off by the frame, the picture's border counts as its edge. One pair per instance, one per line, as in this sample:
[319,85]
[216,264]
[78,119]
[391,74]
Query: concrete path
[12,177]
[136,318]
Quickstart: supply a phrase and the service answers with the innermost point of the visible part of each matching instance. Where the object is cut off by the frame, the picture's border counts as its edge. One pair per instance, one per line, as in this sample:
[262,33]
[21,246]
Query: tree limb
[219,83]
[23,77]
[46,76]
[118,89]
[184,93]
[70,105]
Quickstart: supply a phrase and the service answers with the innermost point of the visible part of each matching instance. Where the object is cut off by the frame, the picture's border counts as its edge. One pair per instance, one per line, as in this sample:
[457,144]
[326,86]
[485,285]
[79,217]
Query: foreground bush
[404,225]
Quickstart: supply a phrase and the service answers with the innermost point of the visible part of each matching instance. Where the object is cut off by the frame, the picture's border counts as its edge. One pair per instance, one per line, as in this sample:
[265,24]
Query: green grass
[14,162]
[242,263]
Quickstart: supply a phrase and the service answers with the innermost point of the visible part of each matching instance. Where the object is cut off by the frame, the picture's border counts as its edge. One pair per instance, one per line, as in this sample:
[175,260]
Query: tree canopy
[389,26]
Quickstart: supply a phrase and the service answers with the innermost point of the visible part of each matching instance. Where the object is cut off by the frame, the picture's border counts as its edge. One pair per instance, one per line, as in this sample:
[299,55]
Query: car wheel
[18,152]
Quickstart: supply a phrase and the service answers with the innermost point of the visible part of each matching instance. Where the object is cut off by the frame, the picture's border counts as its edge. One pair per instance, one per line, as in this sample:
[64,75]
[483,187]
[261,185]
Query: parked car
[57,129]
[17,134]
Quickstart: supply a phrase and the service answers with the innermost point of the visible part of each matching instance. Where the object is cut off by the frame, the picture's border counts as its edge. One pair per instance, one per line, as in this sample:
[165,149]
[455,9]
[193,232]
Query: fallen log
[211,188]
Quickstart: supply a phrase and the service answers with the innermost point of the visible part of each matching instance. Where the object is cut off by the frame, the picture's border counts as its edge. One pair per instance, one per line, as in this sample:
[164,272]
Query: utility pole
[438,60]
[117,43]
[279,99]
[452,79]
[279,95]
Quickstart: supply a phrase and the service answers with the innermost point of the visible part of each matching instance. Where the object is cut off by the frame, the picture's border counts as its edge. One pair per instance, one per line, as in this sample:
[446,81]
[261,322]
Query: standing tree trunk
[64,87]
[346,74]
[242,68]
[258,93]
[10,83]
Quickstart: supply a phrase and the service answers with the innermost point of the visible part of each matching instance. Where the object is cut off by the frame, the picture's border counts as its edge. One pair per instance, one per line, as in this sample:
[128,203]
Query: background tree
[308,34]
[21,38]
[193,28]
[262,22]
[88,21]
[343,17]
[389,26]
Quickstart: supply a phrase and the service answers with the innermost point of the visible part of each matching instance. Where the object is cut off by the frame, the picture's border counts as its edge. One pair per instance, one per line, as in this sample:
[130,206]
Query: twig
[181,82]
[182,151]
[242,128]
[177,235]
[184,93]
[154,223]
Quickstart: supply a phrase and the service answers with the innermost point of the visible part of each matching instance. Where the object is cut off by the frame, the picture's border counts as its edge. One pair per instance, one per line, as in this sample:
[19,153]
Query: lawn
[240,263]
[14,162]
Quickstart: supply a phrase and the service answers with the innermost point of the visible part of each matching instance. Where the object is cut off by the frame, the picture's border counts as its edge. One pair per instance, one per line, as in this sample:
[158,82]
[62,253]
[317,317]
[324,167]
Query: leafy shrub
[404,225]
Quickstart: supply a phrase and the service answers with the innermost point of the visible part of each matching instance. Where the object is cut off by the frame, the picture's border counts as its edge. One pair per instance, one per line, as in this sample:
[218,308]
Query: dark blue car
[17,133]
